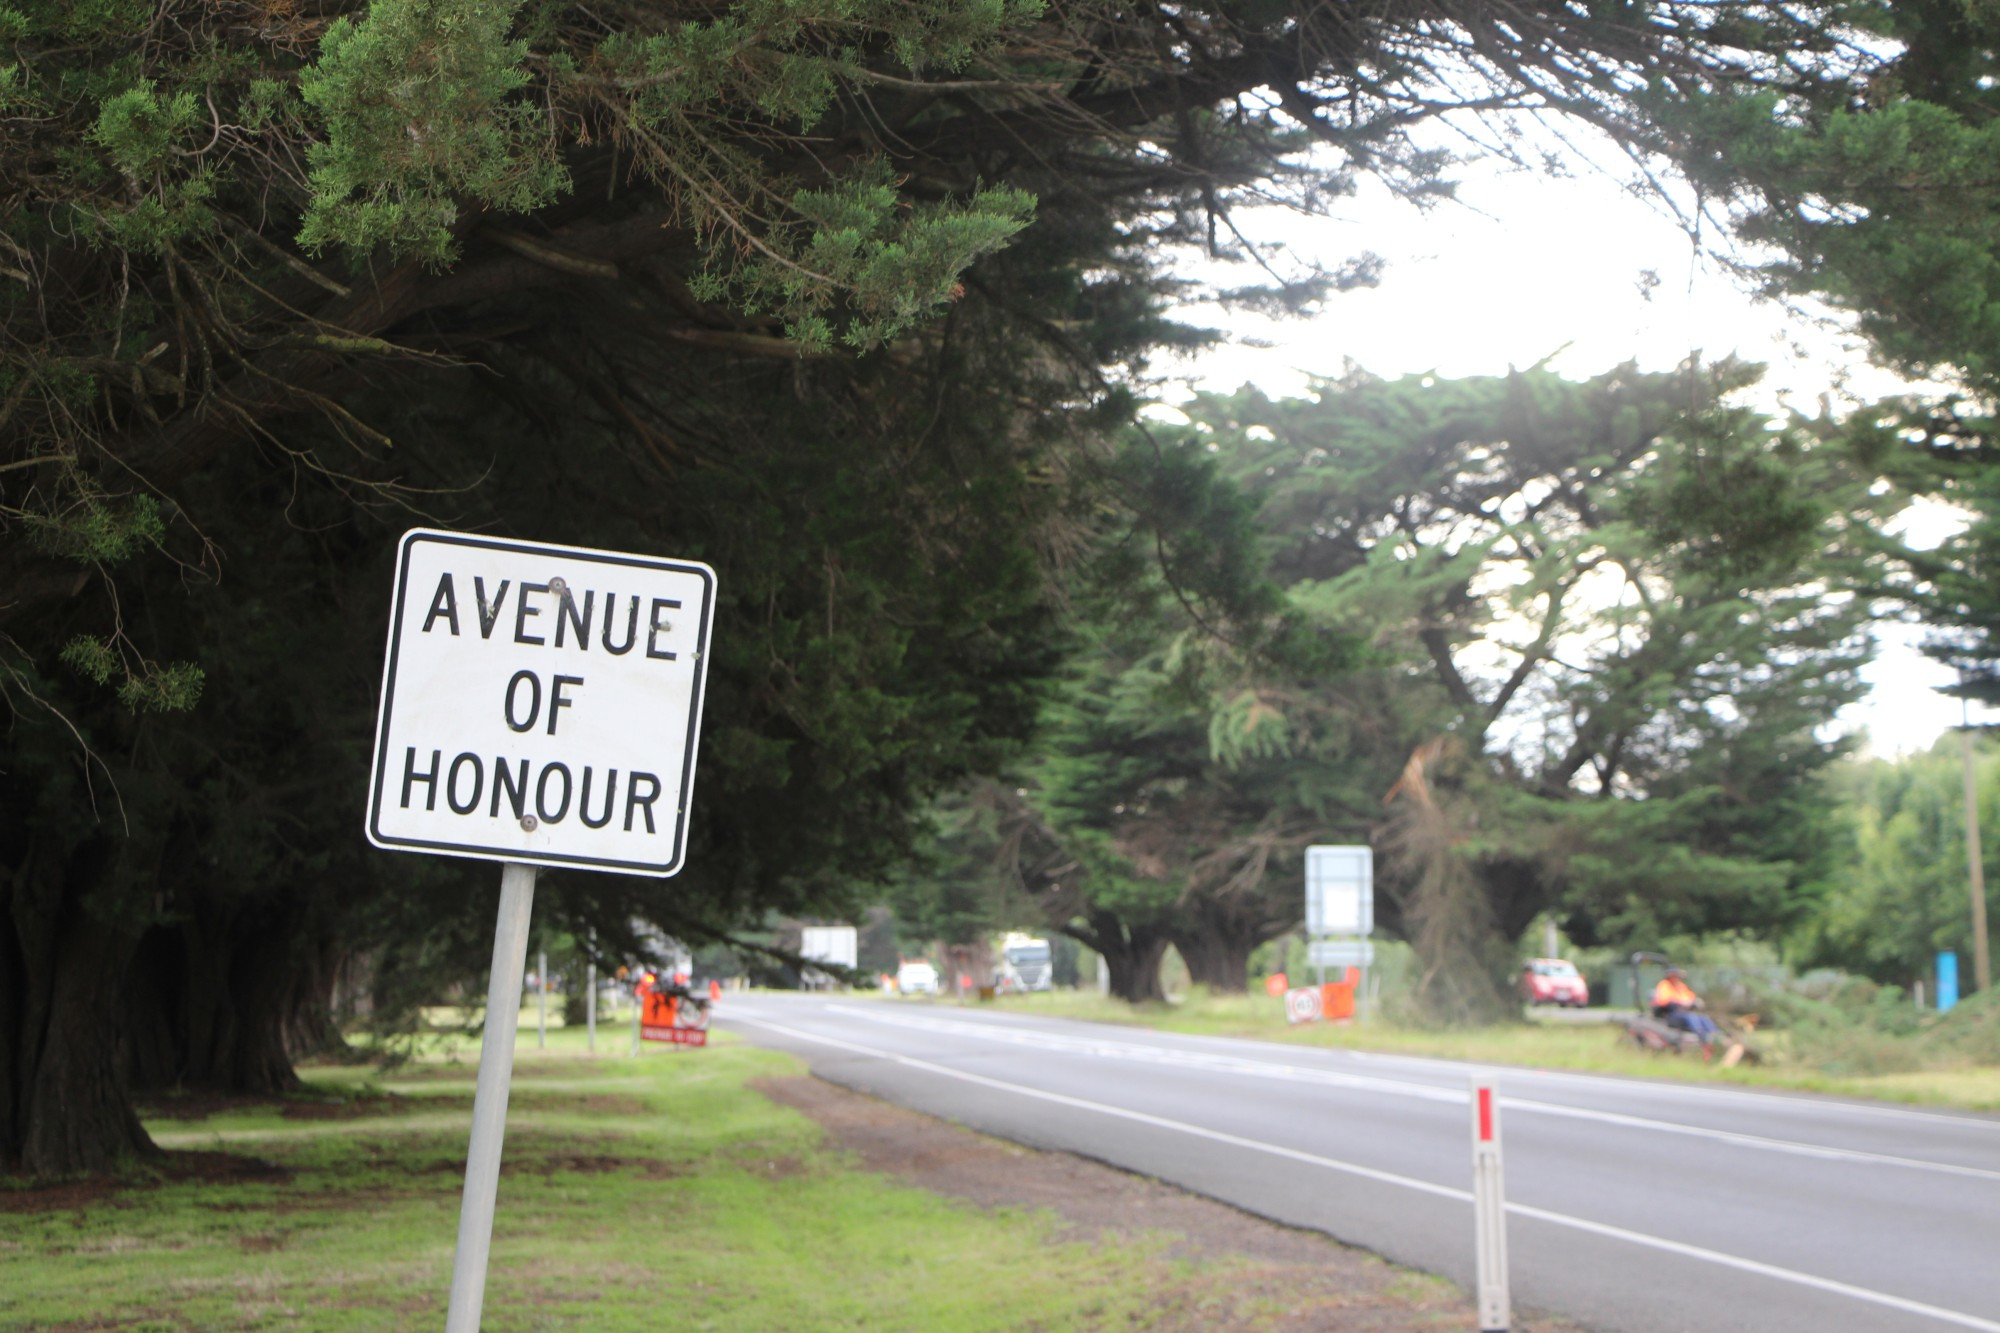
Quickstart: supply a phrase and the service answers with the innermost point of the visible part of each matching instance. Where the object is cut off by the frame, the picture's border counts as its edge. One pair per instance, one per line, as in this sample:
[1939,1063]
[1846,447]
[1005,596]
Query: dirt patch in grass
[600,1103]
[583,1164]
[1241,1271]
[208,1168]
[188,1106]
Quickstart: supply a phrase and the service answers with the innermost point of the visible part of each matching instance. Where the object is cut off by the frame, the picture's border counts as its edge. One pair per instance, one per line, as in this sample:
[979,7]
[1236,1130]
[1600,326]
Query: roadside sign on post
[1340,890]
[1340,901]
[540,703]
[540,707]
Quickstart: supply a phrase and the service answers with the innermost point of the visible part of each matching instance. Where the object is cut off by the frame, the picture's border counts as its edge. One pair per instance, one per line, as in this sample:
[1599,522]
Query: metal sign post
[1340,902]
[1489,1209]
[540,706]
[489,1099]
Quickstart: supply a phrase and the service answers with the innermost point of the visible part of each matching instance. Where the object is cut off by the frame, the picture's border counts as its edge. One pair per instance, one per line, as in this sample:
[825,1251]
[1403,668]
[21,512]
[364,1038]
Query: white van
[918,978]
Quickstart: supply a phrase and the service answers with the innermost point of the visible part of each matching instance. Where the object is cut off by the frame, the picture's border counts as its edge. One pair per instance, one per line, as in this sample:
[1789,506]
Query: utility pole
[1982,974]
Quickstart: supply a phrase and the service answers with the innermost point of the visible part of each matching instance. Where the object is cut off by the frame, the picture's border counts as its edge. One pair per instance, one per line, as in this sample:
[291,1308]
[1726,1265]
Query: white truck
[826,944]
[1027,963]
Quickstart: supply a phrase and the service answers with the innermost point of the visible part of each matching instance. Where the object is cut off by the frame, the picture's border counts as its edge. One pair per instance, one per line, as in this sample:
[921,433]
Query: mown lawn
[642,1194]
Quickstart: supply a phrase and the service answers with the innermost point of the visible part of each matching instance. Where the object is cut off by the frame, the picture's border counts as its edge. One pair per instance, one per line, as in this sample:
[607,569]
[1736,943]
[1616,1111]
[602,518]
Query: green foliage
[1898,893]
[421,108]
[100,530]
[90,658]
[1596,621]
[1860,1028]
[1613,611]
[1873,184]
[893,263]
[137,128]
[172,688]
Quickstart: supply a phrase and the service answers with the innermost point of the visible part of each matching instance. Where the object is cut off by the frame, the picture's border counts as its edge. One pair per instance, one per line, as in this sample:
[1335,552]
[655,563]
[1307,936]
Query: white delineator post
[1489,1209]
[541,999]
[489,1100]
[590,1004]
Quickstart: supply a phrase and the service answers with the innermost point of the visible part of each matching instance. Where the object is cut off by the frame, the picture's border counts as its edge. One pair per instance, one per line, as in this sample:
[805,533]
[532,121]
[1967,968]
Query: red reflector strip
[1486,1115]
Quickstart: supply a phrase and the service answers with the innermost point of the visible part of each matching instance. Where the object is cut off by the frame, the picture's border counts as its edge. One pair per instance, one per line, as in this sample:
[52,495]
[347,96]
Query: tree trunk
[1132,954]
[309,1026]
[1216,936]
[215,992]
[1217,960]
[64,1111]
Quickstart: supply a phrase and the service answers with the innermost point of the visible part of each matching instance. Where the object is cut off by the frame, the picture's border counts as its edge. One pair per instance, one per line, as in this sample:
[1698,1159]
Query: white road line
[1866,1294]
[1662,1088]
[1109,1049]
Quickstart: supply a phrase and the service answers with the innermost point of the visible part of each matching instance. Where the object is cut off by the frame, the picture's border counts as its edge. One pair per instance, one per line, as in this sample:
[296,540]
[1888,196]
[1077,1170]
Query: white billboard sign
[1340,891]
[829,944]
[540,703]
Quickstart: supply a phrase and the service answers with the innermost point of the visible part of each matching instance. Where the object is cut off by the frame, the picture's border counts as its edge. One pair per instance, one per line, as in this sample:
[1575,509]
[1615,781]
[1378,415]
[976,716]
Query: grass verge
[636,1194]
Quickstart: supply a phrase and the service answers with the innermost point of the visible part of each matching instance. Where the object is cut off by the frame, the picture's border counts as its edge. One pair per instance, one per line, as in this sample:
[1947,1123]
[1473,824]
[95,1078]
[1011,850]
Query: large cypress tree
[1618,616]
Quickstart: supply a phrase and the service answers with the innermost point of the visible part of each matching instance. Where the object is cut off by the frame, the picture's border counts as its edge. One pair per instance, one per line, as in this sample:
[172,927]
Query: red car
[1553,981]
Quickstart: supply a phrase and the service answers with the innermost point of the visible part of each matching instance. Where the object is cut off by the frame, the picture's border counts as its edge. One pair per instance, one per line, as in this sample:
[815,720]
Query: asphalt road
[1631,1205]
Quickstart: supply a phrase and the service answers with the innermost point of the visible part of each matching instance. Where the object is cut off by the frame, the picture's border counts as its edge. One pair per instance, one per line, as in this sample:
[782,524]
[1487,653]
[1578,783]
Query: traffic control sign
[540,703]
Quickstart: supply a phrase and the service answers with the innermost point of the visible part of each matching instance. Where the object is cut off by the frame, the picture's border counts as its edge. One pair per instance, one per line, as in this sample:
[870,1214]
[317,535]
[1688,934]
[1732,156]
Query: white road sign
[1341,953]
[540,703]
[1340,890]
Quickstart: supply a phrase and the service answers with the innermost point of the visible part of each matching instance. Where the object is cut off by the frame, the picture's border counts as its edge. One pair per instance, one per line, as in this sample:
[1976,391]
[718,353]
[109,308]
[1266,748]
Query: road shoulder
[1232,1269]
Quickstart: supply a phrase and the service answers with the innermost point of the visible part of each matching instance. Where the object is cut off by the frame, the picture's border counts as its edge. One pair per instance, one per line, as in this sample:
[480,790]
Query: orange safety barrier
[660,1019]
[1333,1000]
[657,1010]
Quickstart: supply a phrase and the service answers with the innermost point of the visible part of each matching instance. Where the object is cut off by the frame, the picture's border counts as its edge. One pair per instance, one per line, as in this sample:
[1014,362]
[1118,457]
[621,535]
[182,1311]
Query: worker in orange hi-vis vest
[714,990]
[1675,1002]
[657,1008]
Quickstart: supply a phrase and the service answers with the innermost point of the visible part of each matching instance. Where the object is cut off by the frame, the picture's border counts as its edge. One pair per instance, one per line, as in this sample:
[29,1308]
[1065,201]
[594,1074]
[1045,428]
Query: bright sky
[1525,267]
